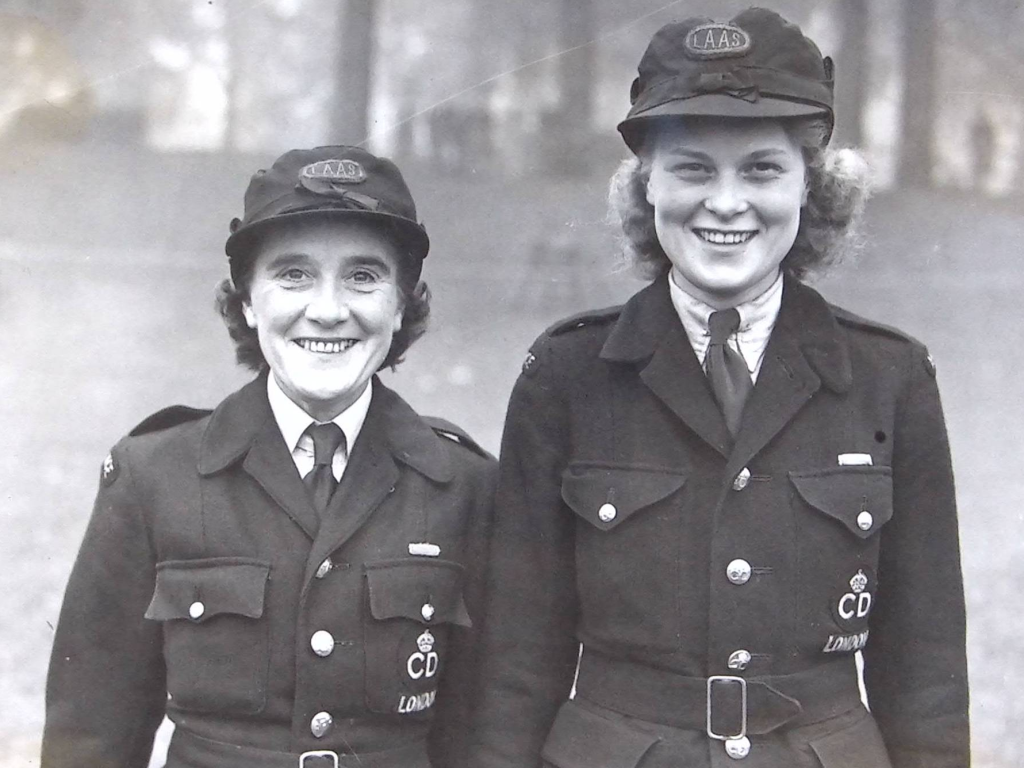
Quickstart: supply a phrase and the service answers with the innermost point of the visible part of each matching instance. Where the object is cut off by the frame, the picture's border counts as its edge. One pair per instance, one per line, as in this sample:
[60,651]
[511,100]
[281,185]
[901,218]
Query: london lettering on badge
[418,703]
[845,643]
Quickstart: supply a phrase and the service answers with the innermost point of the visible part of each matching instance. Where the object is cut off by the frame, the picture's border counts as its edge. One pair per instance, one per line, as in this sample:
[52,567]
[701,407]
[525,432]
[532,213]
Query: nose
[726,197]
[328,305]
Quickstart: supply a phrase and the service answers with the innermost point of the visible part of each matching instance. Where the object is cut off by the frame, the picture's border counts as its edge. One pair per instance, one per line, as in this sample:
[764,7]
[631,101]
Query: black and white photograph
[480,384]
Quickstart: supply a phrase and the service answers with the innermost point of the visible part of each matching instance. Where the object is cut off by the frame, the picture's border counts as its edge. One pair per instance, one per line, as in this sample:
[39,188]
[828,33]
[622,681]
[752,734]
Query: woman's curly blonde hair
[837,187]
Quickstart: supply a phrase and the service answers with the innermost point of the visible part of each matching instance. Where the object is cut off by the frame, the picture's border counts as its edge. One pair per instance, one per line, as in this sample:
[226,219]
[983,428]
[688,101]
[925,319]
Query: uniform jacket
[623,504]
[205,573]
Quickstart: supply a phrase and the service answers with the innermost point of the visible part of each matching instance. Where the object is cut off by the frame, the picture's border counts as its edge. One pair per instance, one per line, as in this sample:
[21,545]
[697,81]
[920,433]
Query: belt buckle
[333,756]
[743,706]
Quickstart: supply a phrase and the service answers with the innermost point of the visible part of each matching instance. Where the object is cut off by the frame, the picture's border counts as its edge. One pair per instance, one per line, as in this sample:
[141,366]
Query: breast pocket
[215,640]
[627,551]
[412,607]
[841,512]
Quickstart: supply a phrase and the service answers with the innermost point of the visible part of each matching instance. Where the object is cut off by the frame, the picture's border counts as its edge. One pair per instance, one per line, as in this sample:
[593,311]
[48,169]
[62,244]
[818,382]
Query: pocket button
[737,749]
[865,520]
[607,513]
[196,610]
[427,611]
[738,571]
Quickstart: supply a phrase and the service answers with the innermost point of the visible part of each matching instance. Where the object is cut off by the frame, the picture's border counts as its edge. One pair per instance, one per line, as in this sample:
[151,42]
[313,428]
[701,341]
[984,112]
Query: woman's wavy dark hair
[232,296]
[837,187]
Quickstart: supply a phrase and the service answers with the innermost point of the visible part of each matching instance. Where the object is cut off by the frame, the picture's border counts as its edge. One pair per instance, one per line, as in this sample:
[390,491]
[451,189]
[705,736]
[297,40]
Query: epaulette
[584,319]
[168,417]
[846,317]
[456,434]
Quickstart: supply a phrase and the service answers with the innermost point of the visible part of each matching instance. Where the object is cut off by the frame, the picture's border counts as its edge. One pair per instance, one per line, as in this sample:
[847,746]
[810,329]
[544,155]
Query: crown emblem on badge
[425,642]
[717,41]
[343,171]
[859,582]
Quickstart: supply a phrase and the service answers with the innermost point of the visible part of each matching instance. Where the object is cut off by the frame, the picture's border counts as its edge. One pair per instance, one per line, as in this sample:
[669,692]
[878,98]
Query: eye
[763,169]
[293,274]
[691,168]
[364,276]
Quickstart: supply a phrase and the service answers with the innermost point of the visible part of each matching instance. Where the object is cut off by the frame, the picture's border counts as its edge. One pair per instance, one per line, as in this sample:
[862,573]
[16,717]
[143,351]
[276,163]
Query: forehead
[327,240]
[721,137]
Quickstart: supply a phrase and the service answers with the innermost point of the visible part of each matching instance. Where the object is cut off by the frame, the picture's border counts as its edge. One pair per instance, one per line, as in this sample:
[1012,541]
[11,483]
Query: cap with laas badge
[333,182]
[756,65]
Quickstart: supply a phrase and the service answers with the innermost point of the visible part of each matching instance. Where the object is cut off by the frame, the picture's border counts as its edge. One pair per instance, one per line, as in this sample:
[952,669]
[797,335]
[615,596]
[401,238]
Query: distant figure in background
[712,497]
[292,578]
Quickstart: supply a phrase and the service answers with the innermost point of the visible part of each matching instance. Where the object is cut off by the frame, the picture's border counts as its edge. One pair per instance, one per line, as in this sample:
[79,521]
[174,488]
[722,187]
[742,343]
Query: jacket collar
[244,415]
[804,316]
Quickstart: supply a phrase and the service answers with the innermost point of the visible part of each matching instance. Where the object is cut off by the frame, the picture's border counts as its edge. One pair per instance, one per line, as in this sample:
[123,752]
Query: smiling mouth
[329,347]
[723,237]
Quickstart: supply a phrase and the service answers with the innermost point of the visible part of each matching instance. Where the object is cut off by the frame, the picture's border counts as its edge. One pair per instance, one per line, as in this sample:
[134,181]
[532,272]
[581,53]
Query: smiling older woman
[292,577]
[712,497]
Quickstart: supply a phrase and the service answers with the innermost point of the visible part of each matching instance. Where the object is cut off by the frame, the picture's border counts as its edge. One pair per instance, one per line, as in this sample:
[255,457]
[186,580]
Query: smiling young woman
[713,497]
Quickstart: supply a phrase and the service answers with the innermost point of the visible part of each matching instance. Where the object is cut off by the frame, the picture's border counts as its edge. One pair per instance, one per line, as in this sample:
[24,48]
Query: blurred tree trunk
[356,52]
[851,72]
[570,123]
[919,31]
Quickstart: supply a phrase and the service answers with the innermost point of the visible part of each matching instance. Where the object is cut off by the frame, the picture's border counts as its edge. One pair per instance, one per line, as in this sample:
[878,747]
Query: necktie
[726,370]
[327,438]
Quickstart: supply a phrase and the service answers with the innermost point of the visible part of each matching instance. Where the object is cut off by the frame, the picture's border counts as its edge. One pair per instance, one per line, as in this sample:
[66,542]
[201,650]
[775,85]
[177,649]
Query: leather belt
[187,749]
[726,706]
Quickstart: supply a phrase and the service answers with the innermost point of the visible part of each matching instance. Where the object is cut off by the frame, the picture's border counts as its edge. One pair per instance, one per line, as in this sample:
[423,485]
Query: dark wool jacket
[205,573]
[628,521]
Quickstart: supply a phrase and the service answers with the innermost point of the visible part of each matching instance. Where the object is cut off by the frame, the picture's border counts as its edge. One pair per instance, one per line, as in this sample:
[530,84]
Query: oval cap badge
[717,41]
[343,171]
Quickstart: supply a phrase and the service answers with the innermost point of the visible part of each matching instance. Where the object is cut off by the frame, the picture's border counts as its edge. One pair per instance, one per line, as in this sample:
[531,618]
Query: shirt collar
[293,421]
[757,314]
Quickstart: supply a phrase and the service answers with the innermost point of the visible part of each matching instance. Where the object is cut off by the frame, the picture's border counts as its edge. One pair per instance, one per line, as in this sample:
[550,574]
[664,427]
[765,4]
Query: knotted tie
[327,438]
[726,370]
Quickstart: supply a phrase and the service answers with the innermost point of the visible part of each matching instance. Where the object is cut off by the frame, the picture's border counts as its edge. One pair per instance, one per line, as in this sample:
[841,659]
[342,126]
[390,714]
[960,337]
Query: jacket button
[321,724]
[865,520]
[427,611]
[738,571]
[324,568]
[737,749]
[739,659]
[322,643]
[607,513]
[196,610]
[741,480]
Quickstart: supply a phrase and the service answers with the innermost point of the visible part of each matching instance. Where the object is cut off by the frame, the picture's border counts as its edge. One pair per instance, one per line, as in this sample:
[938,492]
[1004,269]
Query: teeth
[724,238]
[326,347]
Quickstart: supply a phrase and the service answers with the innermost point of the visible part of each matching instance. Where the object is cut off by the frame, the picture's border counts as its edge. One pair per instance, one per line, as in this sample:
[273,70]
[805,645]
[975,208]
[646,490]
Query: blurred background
[129,130]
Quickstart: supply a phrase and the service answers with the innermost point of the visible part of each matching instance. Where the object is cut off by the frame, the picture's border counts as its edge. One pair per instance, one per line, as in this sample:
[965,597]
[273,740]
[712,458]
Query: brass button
[741,480]
[737,749]
[607,513]
[321,724]
[865,520]
[322,643]
[739,659]
[738,571]
[196,610]
[427,611]
[324,568]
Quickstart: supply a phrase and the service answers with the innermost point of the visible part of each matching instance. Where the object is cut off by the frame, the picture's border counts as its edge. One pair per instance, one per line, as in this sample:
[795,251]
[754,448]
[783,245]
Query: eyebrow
[757,154]
[297,257]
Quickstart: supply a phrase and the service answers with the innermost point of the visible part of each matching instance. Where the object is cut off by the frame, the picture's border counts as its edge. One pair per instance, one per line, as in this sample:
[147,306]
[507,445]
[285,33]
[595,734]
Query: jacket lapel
[649,332]
[392,435]
[806,349]
[242,428]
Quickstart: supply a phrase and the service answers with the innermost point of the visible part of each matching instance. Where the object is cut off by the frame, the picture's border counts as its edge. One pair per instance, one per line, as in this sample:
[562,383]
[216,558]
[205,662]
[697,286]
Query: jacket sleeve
[915,662]
[105,693]
[457,691]
[529,645]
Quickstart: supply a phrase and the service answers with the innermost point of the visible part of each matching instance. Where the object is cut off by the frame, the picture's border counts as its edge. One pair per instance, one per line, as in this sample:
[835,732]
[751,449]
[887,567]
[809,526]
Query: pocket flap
[200,589]
[845,493]
[583,739]
[858,746]
[429,592]
[605,495]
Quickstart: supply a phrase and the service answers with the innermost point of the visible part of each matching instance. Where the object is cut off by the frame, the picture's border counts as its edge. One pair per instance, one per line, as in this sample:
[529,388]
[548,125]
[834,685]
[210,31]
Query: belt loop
[727,679]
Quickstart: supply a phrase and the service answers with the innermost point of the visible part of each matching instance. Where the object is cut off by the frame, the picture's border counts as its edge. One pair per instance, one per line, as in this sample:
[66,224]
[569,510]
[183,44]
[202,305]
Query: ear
[399,317]
[806,191]
[647,190]
[250,316]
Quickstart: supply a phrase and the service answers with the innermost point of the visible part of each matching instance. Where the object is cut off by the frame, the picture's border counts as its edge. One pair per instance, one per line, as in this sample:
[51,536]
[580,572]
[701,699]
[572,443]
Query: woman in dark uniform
[291,577]
[712,497]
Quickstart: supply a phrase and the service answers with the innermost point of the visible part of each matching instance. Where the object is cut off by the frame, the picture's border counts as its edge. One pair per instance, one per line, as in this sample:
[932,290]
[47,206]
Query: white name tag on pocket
[854,459]
[424,549]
